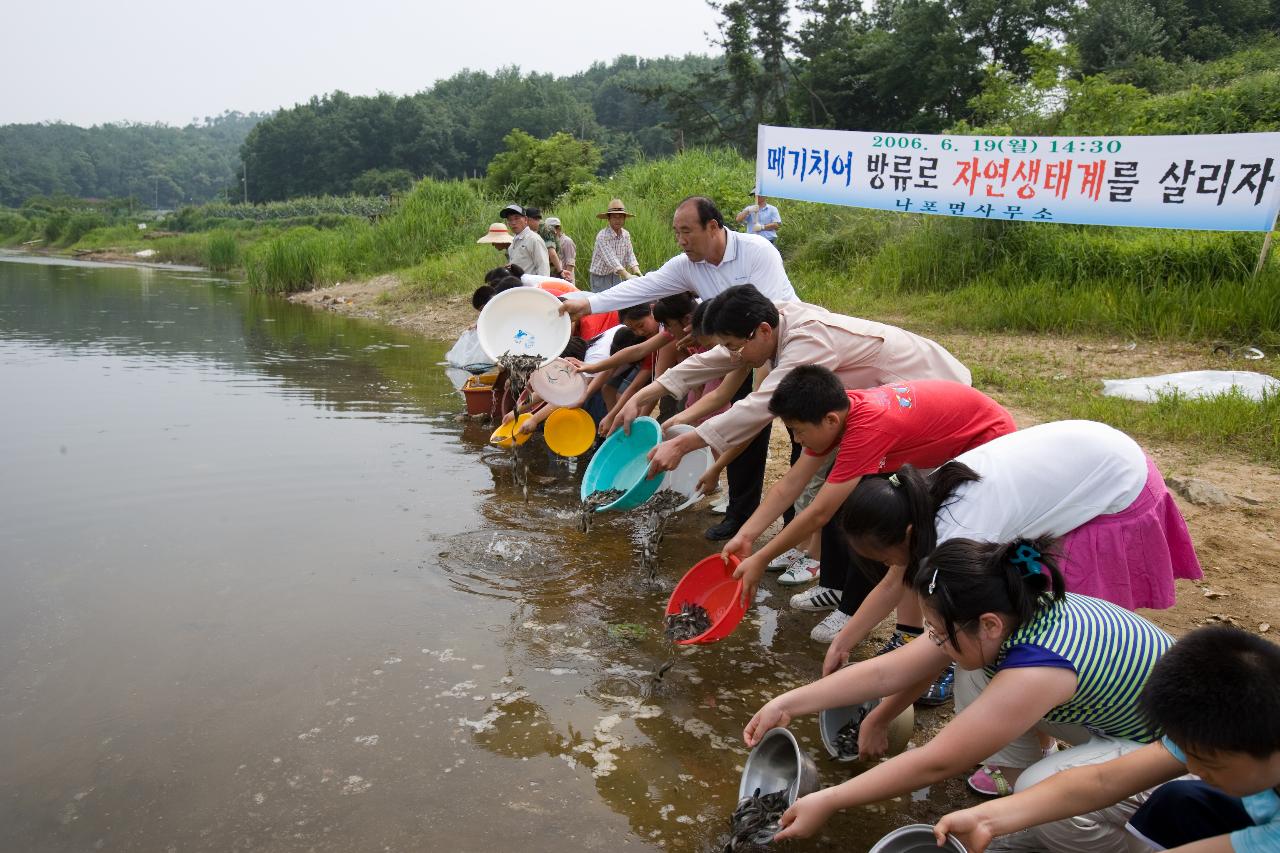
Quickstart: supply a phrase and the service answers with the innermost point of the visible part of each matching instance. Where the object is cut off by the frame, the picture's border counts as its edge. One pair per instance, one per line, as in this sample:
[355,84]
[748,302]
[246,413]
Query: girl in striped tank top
[1031,657]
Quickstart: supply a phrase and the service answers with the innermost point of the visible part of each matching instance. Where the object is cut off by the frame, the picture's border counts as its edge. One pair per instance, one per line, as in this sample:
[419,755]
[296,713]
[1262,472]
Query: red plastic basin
[711,585]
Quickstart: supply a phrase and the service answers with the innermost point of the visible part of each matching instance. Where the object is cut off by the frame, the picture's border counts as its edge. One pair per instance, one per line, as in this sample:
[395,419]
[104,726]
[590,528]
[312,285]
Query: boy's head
[813,404]
[1216,694]
[639,319]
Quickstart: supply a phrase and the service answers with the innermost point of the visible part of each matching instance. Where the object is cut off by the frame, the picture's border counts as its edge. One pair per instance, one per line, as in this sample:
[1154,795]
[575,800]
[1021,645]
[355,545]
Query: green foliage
[223,251]
[163,165]
[79,224]
[538,171]
[299,259]
[382,182]
[340,208]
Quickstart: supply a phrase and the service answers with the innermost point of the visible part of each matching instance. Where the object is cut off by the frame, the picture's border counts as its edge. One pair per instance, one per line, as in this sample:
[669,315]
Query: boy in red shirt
[864,431]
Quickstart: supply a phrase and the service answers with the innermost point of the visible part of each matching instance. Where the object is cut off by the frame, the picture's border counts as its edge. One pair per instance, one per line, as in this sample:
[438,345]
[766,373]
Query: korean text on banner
[1222,182]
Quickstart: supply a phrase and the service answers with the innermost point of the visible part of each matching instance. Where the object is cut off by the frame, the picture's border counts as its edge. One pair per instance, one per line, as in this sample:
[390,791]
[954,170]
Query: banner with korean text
[1222,182]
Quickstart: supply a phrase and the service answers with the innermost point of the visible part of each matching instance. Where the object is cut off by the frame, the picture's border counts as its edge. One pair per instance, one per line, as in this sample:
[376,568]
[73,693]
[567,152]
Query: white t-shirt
[599,350]
[1044,480]
[748,259]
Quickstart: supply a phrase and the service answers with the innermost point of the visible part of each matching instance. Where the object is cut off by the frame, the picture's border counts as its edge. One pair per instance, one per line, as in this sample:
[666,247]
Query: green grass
[1049,386]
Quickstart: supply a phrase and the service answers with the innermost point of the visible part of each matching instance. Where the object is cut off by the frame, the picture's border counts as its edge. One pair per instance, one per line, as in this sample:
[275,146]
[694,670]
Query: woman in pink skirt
[1122,536]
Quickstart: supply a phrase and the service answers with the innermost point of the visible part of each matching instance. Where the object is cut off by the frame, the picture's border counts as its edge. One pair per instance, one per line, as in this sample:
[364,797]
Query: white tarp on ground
[1194,384]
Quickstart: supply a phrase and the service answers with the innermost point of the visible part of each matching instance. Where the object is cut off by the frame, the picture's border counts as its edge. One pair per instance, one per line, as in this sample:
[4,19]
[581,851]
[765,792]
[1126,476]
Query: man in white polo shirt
[713,259]
[528,251]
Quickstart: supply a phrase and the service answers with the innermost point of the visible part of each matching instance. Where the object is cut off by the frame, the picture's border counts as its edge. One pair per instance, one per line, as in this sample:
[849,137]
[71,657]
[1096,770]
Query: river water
[261,589]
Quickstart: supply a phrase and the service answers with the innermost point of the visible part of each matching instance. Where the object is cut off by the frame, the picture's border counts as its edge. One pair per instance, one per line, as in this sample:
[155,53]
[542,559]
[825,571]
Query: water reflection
[261,588]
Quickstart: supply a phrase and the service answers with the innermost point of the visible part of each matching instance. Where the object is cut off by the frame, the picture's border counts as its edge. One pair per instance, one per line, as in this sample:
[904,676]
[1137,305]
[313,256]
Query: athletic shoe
[826,630]
[805,570]
[787,559]
[896,641]
[816,600]
[940,691]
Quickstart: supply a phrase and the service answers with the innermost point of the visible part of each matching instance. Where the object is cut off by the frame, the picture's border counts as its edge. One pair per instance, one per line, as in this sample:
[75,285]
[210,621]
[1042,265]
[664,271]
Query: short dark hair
[962,579]
[622,339]
[738,311]
[807,394]
[482,295]
[493,275]
[674,307]
[707,210]
[576,348]
[636,312]
[1217,689]
[506,284]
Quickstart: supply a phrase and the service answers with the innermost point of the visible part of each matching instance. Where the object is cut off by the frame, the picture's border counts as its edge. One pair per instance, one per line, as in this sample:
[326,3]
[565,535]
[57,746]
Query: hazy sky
[93,61]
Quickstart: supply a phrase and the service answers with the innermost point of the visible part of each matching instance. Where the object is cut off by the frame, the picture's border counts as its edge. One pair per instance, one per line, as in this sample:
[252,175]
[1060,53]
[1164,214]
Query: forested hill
[340,143]
[157,164]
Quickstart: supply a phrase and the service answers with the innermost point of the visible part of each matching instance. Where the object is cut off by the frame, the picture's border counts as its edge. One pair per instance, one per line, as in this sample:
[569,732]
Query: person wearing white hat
[527,249]
[497,236]
[568,249]
[761,218]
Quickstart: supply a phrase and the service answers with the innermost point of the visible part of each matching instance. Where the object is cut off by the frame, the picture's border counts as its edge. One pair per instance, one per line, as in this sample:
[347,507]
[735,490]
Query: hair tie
[895,482]
[1027,561]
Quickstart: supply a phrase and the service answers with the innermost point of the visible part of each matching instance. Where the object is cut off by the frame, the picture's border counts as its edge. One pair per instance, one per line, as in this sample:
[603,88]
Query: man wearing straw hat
[527,249]
[712,259]
[613,258]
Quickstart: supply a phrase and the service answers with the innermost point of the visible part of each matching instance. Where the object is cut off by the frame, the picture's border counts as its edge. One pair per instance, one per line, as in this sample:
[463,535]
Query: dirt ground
[1234,526]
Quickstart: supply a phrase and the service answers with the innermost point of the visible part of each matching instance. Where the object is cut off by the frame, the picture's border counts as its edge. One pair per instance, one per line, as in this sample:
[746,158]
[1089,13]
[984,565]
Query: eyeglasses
[737,350]
[934,637]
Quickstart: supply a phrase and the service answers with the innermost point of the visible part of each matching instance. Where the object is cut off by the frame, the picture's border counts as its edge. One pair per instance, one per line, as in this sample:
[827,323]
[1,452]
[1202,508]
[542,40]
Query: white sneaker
[826,630]
[817,599]
[802,571]
[787,559]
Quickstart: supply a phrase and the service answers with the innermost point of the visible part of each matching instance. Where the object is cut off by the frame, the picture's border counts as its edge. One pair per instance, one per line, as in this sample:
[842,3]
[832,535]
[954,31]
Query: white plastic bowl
[558,383]
[684,479]
[523,321]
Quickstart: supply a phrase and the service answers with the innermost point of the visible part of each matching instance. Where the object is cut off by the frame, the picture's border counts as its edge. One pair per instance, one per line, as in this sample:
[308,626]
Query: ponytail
[962,579]
[881,507]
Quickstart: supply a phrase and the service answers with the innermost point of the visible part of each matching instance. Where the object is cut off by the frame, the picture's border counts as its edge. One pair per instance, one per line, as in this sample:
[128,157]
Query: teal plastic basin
[621,463]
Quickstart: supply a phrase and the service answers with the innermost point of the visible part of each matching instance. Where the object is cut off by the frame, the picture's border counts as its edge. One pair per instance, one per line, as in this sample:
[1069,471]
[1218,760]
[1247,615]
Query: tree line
[894,65]
[156,164]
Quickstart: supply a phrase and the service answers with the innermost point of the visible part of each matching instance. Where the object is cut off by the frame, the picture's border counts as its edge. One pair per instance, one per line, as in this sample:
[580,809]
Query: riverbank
[1226,488]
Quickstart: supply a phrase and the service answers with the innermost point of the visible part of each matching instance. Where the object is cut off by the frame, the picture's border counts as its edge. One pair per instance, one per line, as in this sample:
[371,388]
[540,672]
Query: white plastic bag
[467,352]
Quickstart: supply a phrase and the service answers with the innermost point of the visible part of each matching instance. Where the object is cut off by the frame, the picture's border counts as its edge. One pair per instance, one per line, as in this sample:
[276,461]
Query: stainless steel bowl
[916,838]
[778,762]
[832,720]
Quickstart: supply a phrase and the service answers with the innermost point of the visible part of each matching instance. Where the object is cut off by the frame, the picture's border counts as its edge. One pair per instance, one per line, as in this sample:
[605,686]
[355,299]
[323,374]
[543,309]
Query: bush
[224,251]
[80,224]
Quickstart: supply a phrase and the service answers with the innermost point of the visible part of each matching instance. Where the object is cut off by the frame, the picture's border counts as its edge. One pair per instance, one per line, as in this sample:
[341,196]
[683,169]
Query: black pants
[746,477]
[1186,811]
[838,570]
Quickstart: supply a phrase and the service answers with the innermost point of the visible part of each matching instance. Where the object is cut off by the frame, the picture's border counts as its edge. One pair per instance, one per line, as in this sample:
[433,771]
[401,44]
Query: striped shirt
[1110,649]
[613,252]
